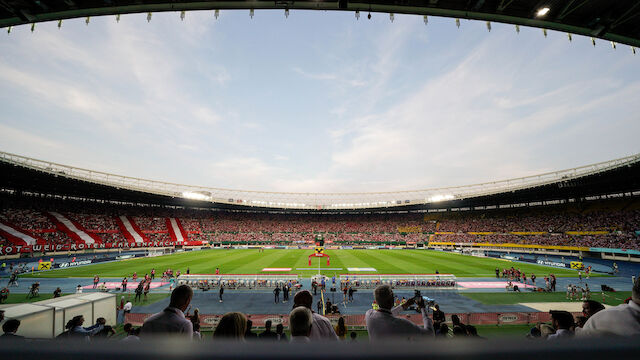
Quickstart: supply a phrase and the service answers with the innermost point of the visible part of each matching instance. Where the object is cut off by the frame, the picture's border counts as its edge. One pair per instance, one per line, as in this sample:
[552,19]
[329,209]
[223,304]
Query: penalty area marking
[361,269]
[276,269]
[316,269]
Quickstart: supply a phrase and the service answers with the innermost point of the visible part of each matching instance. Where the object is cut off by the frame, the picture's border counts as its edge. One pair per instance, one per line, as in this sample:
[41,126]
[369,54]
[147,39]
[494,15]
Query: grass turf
[612,298]
[253,261]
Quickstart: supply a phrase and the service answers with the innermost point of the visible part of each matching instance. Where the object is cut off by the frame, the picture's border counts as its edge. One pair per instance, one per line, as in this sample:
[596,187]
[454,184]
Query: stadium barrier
[210,321]
[406,281]
[238,281]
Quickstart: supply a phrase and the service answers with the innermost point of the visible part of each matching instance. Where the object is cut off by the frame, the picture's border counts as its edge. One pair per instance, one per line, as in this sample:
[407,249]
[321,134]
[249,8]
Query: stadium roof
[614,20]
[413,199]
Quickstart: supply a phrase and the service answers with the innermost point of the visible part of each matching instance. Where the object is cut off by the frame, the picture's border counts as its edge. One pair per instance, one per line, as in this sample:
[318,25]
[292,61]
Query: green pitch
[253,261]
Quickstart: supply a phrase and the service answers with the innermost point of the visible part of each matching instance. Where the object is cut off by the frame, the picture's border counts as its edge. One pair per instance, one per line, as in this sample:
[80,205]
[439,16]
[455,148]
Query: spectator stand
[401,281]
[238,281]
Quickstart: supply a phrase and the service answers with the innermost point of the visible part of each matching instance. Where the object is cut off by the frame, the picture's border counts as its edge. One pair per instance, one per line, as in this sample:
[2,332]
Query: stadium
[501,256]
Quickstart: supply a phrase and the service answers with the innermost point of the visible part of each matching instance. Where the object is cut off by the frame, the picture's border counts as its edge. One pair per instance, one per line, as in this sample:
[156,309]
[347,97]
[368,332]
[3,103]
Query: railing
[315,201]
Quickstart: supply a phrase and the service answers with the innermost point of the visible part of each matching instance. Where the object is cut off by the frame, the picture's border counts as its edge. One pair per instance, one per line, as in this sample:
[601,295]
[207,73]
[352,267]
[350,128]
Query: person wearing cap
[563,323]
[321,328]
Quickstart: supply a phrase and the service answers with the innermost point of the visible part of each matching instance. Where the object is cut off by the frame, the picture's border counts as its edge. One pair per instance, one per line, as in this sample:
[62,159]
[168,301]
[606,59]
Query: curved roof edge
[608,20]
[314,201]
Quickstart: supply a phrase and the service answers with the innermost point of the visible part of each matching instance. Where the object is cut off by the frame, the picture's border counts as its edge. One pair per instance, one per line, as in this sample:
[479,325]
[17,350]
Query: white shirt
[622,320]
[560,334]
[321,329]
[169,321]
[382,324]
[127,306]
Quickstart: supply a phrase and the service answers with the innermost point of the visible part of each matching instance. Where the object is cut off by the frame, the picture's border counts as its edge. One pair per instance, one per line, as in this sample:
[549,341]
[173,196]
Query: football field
[296,261]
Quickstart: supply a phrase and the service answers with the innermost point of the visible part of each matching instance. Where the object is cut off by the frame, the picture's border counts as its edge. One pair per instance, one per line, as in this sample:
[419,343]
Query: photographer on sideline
[383,323]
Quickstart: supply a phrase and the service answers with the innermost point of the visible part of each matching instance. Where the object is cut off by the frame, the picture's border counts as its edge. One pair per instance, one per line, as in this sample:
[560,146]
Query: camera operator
[383,323]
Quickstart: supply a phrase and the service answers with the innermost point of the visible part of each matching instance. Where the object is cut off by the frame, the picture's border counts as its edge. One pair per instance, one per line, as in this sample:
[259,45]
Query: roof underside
[614,20]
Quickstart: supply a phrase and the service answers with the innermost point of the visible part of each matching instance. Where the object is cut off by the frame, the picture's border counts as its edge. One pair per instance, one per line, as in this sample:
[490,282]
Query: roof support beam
[504,4]
[626,16]
[569,8]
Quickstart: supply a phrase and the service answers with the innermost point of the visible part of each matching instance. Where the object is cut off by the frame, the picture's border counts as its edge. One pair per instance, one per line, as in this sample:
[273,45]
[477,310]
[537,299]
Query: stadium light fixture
[195,196]
[438,198]
[117,18]
[633,50]
[569,36]
[286,13]
[544,31]
[9,32]
[182,15]
[613,45]
[357,14]
[391,17]
[59,24]
[517,29]
[543,11]
[33,26]
[369,16]
[593,41]
[458,23]
[148,17]
[426,19]
[86,21]
[489,26]
[216,14]
[251,12]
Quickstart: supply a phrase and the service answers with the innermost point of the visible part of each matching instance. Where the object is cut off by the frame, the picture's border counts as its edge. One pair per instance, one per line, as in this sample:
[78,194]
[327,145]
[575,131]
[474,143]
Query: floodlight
[369,16]
[286,13]
[33,26]
[613,45]
[117,18]
[196,195]
[633,50]
[148,17]
[59,24]
[458,23]
[517,28]
[544,31]
[357,14]
[251,12]
[593,41]
[426,19]
[489,26]
[9,32]
[444,197]
[543,11]
[86,21]
[569,36]
[216,14]
[182,15]
[391,17]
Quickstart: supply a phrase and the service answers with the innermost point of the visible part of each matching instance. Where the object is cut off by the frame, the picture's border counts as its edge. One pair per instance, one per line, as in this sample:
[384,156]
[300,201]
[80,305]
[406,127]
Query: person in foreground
[321,329]
[622,320]
[563,324]
[10,327]
[232,326]
[171,320]
[383,323]
[301,323]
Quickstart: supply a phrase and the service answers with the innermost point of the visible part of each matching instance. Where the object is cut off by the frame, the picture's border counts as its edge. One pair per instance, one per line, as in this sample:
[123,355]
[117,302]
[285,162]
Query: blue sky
[316,102]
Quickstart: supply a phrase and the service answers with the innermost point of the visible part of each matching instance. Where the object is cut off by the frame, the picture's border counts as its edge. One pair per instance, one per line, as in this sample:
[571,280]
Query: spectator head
[232,325]
[127,328]
[580,321]
[444,330]
[249,325]
[437,306]
[590,307]
[77,320]
[384,297]
[455,320]
[353,335]
[181,297]
[471,330]
[101,321]
[534,333]
[561,319]
[303,298]
[300,320]
[279,329]
[11,326]
[267,325]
